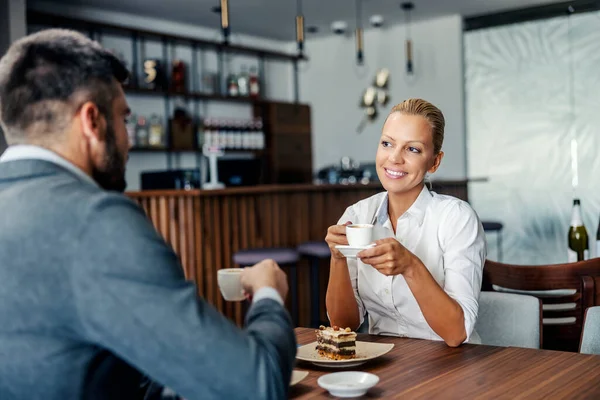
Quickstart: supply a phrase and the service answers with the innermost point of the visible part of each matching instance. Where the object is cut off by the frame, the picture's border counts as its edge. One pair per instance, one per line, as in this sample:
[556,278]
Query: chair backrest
[566,290]
[590,337]
[507,319]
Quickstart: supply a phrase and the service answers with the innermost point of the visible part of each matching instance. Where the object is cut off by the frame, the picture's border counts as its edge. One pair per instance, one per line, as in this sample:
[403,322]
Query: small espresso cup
[359,234]
[230,284]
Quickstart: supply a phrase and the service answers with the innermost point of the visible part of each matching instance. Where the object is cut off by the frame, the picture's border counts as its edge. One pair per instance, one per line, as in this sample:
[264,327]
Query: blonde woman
[424,281]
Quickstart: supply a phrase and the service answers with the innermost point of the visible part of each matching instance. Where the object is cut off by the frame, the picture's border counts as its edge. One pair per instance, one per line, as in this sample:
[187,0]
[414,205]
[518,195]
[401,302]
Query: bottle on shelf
[200,133]
[243,82]
[230,134]
[237,134]
[178,76]
[141,132]
[156,134]
[260,134]
[253,83]
[578,238]
[232,86]
[222,133]
[246,132]
[208,132]
[255,141]
[131,130]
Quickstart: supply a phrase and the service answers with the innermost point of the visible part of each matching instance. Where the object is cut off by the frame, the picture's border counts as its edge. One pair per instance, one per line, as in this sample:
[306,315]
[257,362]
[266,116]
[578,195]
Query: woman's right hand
[336,235]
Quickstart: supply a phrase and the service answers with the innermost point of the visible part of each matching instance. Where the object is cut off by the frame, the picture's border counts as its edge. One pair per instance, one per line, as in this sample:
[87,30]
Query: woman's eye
[385,144]
[414,150]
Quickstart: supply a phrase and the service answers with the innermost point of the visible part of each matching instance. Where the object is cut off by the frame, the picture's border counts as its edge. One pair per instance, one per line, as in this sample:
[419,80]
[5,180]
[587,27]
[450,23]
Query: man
[91,298]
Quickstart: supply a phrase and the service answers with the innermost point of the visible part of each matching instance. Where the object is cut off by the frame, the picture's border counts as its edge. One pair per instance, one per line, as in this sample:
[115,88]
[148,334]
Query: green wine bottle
[578,237]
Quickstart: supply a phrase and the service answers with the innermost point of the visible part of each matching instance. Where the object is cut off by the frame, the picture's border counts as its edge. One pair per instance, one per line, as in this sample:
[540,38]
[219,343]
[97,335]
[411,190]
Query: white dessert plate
[348,384]
[365,351]
[352,251]
[297,376]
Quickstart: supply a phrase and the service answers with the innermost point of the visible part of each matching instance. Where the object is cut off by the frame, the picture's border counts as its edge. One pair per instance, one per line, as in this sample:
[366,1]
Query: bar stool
[284,256]
[493,226]
[314,252]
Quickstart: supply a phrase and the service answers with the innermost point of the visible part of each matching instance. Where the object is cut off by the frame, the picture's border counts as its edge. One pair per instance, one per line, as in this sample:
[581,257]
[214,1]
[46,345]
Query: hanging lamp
[408,7]
[225,20]
[359,34]
[299,27]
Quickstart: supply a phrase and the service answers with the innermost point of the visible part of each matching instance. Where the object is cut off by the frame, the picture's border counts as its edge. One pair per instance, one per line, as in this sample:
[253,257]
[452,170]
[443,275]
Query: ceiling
[275,18]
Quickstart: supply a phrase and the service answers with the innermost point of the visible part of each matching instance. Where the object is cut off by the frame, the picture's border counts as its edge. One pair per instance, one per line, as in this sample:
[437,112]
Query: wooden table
[423,369]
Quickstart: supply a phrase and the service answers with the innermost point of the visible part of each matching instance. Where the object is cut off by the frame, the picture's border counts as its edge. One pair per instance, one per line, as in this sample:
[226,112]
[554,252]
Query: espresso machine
[348,172]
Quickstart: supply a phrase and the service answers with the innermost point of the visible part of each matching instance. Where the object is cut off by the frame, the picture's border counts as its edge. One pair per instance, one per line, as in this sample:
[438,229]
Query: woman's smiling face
[405,153]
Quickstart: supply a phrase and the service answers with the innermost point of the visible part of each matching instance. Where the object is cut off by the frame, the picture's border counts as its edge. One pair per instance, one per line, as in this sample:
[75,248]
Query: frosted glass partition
[528,94]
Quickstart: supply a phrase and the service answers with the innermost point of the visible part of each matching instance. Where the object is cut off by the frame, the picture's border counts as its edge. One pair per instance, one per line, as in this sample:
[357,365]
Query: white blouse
[447,236]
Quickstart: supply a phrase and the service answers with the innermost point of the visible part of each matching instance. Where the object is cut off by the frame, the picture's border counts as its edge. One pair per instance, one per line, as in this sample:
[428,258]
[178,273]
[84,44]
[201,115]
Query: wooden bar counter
[205,227]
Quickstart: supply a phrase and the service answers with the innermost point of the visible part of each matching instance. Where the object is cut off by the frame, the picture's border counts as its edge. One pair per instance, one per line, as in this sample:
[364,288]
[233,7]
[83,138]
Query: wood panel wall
[205,228]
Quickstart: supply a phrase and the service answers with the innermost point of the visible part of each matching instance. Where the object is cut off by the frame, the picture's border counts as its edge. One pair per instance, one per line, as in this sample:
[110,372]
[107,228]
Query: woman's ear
[436,162]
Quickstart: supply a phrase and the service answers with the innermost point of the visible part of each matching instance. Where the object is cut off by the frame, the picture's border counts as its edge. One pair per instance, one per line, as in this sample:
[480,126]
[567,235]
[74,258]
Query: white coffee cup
[359,234]
[229,280]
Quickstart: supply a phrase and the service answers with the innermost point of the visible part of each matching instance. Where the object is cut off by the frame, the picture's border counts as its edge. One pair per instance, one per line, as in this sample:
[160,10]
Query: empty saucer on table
[351,251]
[365,351]
[297,376]
[348,384]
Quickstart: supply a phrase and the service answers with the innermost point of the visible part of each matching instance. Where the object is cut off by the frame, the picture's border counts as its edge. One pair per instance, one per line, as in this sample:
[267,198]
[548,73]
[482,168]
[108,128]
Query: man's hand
[264,274]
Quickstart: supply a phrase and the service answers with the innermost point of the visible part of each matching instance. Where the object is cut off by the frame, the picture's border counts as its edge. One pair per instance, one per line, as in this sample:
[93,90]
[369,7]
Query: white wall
[332,83]
[278,75]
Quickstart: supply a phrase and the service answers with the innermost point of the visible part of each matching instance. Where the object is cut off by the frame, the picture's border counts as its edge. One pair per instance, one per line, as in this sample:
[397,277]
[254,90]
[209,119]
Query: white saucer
[352,251]
[348,384]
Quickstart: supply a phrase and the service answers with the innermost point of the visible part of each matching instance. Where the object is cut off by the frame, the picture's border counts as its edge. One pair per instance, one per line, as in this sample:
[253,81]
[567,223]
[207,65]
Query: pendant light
[225,20]
[299,27]
[359,34]
[408,7]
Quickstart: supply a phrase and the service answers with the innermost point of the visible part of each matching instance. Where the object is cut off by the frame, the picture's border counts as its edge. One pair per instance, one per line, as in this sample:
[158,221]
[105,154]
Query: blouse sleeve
[463,241]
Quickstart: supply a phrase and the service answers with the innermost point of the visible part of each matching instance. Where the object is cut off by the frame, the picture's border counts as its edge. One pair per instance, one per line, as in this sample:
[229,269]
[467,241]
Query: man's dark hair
[47,76]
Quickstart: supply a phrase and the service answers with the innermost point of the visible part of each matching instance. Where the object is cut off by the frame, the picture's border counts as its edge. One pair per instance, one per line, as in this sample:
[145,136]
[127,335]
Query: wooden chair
[566,291]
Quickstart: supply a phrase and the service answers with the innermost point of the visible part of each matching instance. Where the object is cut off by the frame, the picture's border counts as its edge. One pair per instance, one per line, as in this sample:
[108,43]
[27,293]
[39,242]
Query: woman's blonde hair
[431,113]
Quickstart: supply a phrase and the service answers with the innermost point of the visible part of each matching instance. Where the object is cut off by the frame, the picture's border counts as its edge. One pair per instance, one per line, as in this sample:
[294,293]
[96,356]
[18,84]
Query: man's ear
[92,122]
[436,162]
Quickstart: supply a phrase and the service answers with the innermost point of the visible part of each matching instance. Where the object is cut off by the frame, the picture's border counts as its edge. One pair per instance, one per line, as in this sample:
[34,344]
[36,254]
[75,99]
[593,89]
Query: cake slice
[335,343]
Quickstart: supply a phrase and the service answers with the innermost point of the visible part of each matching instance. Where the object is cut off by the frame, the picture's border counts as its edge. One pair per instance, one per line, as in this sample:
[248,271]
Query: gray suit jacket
[92,299]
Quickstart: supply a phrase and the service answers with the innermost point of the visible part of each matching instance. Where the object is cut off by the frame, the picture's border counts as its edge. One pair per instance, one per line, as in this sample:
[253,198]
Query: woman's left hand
[388,256]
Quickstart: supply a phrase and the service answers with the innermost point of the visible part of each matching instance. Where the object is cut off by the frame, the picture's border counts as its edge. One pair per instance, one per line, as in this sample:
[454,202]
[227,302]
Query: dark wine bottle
[578,237]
